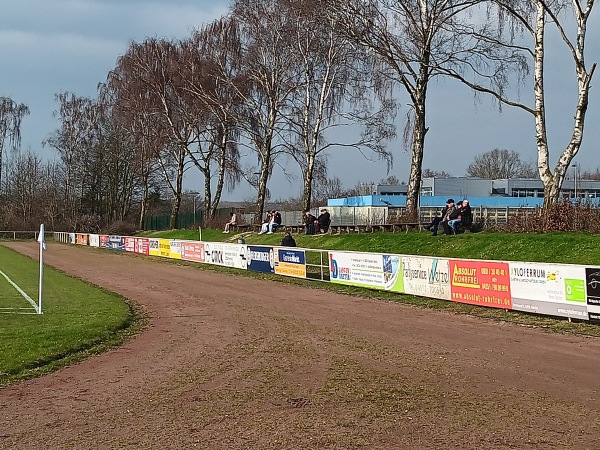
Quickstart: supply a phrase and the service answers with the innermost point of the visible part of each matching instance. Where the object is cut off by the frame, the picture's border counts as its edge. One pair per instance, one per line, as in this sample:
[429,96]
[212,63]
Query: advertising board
[72,238]
[164,248]
[260,259]
[116,243]
[290,263]
[592,285]
[141,246]
[94,240]
[192,251]
[130,244]
[175,249]
[104,241]
[427,277]
[153,247]
[81,239]
[370,270]
[483,283]
[551,289]
[228,255]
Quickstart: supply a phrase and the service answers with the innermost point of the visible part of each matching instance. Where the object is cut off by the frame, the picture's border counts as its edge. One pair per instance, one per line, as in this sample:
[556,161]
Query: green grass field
[78,319]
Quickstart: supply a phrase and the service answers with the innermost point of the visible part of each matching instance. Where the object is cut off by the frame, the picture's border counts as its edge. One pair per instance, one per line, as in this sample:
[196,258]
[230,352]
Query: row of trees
[277,77]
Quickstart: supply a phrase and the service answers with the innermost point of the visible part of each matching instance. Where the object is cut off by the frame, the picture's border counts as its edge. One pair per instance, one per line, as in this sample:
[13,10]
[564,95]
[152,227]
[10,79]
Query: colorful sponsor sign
[141,246]
[375,271]
[427,277]
[154,247]
[192,251]
[228,255]
[291,263]
[81,239]
[116,243]
[130,244]
[104,241]
[550,289]
[260,259]
[94,240]
[592,286]
[164,248]
[483,283]
[175,249]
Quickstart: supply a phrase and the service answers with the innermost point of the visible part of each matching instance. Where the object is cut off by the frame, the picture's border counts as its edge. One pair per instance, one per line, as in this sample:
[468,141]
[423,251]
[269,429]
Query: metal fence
[14,235]
[343,216]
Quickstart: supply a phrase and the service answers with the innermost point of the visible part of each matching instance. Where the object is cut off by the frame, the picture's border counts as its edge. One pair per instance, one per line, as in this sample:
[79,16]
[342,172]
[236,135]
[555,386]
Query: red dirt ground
[229,362]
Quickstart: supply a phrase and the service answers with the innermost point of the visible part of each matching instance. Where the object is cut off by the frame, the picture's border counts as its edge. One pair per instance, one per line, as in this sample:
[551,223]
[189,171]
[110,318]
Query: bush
[564,216]
[121,228]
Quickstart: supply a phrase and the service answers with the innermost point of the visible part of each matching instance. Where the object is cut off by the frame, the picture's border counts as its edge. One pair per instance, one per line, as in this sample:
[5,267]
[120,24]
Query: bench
[245,227]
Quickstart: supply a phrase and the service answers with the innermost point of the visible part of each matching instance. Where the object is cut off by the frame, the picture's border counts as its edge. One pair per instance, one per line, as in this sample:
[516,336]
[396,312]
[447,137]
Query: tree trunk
[262,189]
[416,163]
[308,178]
[220,181]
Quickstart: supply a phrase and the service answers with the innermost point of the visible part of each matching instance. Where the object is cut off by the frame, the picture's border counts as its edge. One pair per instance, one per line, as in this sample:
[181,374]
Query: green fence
[159,223]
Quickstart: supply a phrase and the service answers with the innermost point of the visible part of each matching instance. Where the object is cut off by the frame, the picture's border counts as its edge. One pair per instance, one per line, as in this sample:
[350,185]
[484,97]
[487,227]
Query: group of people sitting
[452,215]
[271,222]
[315,225]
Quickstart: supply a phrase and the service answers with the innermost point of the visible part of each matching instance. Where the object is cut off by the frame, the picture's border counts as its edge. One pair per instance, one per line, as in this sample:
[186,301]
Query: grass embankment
[566,248]
[78,320]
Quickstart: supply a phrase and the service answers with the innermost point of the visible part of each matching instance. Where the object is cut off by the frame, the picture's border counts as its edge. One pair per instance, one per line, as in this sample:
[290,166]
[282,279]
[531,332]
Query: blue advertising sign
[260,259]
[116,243]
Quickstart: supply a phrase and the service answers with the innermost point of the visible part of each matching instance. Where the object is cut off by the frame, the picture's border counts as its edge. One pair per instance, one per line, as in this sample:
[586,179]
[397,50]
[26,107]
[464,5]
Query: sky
[53,46]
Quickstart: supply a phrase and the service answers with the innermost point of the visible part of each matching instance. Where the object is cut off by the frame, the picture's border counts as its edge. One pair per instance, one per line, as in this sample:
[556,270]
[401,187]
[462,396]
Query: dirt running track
[236,363]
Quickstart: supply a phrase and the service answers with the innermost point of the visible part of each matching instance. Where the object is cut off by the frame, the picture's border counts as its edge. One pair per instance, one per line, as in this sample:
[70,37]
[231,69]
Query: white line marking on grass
[25,296]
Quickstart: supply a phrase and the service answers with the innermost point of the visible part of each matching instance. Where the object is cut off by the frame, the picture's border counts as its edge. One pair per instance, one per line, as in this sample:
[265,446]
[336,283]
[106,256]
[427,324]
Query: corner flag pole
[42,241]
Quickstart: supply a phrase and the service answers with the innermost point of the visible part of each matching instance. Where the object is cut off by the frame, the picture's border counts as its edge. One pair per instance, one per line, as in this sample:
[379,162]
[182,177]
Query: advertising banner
[72,238]
[164,248]
[192,251]
[592,285]
[483,283]
[427,277]
[153,249]
[94,240]
[551,289]
[116,243]
[81,239]
[141,246]
[260,259]
[130,244]
[104,241]
[370,270]
[228,255]
[175,249]
[291,263]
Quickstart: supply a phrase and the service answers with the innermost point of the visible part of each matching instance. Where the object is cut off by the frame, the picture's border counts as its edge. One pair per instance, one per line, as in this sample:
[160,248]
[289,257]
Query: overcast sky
[52,46]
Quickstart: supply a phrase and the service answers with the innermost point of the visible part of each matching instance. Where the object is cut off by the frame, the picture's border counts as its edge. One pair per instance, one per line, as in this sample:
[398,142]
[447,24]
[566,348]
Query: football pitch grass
[78,318]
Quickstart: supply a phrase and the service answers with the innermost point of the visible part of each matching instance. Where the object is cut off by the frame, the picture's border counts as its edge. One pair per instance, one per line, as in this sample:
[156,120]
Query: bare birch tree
[570,20]
[333,93]
[417,41]
[211,66]
[269,67]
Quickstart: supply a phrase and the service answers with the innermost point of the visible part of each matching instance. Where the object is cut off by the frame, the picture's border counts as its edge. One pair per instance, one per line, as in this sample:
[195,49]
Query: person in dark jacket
[288,240]
[309,223]
[323,221]
[452,215]
[465,216]
[435,223]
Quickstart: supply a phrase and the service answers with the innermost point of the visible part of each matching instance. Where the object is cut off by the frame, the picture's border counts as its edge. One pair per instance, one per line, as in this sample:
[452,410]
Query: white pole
[42,242]
[200,233]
